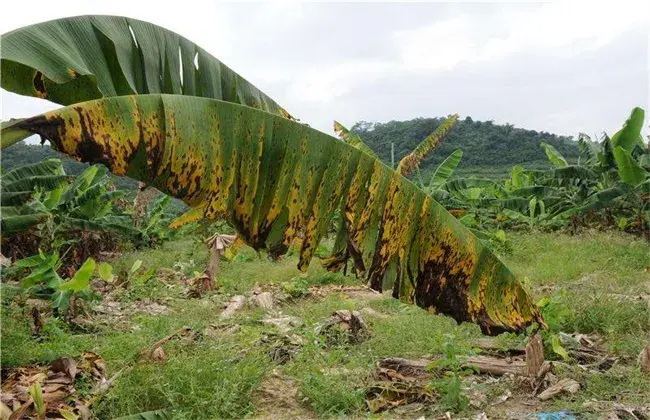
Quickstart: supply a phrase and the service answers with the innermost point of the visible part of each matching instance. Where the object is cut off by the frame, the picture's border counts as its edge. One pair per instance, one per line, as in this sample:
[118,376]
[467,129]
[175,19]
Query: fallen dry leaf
[644,358]
[563,385]
[57,382]
[263,300]
[502,398]
[66,365]
[350,321]
[235,304]
[158,355]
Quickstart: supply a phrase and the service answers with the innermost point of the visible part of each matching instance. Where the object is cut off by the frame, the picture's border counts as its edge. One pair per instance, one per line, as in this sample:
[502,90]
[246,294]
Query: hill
[489,149]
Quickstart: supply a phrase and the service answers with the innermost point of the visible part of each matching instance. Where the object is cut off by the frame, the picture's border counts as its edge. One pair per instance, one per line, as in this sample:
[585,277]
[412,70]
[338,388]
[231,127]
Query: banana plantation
[264,269]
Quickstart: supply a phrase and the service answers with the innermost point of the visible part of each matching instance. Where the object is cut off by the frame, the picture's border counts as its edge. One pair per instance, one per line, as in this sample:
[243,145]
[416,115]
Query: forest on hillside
[485,145]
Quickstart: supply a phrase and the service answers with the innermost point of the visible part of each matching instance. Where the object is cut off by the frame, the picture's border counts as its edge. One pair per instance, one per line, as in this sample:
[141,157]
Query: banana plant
[44,282]
[272,178]
[84,202]
[443,172]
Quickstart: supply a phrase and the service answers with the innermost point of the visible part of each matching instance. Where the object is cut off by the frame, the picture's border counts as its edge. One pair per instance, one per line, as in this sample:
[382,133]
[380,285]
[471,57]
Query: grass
[215,378]
[580,274]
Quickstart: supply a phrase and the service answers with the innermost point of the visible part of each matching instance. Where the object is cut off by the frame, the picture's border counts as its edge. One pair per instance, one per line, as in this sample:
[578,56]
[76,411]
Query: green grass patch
[214,378]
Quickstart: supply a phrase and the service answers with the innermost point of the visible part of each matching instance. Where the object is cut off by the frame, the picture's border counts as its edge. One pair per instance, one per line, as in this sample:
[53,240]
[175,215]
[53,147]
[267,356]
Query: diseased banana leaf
[413,159]
[352,139]
[277,180]
[80,58]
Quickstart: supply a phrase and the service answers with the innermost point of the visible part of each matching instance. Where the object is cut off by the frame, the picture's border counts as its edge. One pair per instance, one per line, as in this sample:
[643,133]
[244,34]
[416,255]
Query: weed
[448,380]
[297,288]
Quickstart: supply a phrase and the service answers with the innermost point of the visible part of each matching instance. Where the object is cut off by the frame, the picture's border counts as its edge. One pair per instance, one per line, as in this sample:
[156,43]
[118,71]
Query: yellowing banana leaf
[413,159]
[80,58]
[276,180]
[352,139]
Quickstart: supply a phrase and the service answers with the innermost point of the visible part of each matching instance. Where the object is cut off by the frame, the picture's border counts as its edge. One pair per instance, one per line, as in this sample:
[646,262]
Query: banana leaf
[554,156]
[49,166]
[599,200]
[519,177]
[48,182]
[461,184]
[352,139]
[277,180]
[538,191]
[519,204]
[76,59]
[573,172]
[630,135]
[629,170]
[18,185]
[12,219]
[15,198]
[588,150]
[413,159]
[445,170]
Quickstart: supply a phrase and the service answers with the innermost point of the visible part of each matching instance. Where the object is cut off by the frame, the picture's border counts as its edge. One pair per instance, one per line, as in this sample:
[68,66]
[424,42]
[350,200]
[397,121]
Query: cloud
[547,28]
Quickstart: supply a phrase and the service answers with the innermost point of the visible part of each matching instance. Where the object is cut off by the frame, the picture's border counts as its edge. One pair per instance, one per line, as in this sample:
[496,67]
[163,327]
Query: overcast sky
[558,67]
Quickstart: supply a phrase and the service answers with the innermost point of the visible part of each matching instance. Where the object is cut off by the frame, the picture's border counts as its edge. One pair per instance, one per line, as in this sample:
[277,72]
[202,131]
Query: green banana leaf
[413,159]
[572,172]
[597,201]
[446,169]
[518,204]
[462,184]
[76,59]
[630,135]
[588,150]
[28,184]
[277,180]
[538,191]
[519,177]
[553,155]
[18,185]
[49,166]
[17,219]
[629,170]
